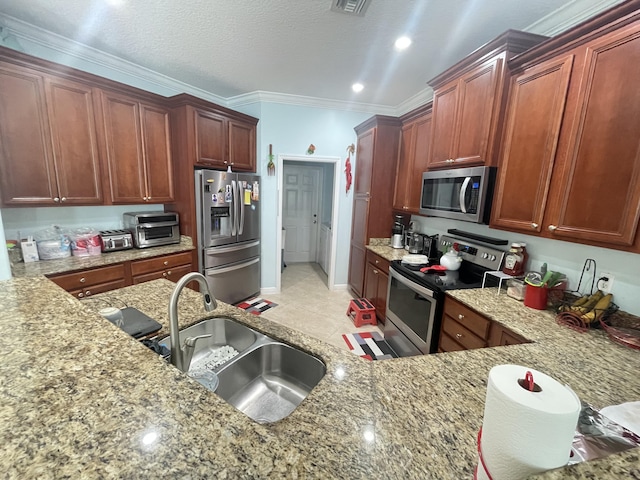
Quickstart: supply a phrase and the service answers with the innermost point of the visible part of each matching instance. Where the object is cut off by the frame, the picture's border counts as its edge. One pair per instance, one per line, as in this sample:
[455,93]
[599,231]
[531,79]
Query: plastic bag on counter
[597,436]
[86,242]
[53,243]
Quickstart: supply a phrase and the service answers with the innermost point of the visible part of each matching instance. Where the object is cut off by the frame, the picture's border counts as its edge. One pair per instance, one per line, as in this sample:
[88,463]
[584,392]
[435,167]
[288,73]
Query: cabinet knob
[166,262]
[56,199]
[377,262]
[82,280]
[225,162]
[80,295]
[375,271]
[87,293]
[164,274]
[149,198]
[460,317]
[144,198]
[534,225]
[63,199]
[169,273]
[458,335]
[552,228]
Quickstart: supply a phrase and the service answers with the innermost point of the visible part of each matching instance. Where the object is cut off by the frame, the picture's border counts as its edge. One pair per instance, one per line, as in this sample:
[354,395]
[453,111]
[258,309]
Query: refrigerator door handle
[241,195]
[233,207]
[212,272]
[233,248]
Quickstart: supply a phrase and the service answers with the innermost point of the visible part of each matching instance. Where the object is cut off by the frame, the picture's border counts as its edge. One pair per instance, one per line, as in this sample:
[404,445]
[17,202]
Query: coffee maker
[397,233]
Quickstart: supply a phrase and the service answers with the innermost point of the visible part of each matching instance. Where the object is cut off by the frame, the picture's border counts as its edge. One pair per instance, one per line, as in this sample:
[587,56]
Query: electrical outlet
[605,285]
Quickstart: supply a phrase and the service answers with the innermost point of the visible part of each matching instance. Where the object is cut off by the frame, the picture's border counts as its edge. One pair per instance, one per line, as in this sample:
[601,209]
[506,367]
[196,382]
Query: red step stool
[362,312]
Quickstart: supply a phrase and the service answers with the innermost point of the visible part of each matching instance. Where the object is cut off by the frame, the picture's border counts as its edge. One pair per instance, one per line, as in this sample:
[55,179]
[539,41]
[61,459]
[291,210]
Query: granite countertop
[382,247]
[69,264]
[79,397]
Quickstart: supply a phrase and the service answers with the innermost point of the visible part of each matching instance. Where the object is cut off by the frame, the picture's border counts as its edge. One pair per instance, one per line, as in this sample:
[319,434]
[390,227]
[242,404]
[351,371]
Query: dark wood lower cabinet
[376,279]
[463,329]
[84,283]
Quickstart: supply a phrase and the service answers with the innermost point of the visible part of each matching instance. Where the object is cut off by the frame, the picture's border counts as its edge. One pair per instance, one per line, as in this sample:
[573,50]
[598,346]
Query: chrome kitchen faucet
[181,355]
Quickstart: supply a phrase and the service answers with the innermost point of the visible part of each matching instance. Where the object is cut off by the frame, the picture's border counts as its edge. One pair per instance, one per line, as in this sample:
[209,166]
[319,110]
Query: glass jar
[514,261]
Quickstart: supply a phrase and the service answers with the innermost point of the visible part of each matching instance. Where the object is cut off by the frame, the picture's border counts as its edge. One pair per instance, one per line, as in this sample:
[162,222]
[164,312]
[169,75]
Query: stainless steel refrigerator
[228,213]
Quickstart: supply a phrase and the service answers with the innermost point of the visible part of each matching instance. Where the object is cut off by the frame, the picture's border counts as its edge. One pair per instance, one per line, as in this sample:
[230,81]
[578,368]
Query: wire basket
[577,318]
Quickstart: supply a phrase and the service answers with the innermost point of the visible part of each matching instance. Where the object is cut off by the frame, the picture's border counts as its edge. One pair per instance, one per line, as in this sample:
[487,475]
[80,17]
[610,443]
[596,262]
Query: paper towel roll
[525,432]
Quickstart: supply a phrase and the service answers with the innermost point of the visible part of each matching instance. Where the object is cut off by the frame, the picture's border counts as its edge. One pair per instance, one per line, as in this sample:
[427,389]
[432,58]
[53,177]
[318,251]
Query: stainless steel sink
[269,382]
[266,380]
[224,332]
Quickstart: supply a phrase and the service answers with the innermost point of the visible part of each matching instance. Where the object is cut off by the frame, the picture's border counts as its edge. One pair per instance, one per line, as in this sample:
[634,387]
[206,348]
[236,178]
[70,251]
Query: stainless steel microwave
[459,193]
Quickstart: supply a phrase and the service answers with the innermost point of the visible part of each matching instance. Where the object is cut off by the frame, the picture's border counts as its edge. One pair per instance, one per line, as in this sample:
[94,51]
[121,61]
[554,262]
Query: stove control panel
[485,256]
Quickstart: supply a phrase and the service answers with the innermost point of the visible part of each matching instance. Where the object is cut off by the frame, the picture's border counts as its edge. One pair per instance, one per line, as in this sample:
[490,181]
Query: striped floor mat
[256,305]
[369,345]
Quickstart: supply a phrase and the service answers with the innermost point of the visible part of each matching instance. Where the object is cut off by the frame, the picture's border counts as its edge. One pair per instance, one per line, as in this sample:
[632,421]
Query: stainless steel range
[415,299]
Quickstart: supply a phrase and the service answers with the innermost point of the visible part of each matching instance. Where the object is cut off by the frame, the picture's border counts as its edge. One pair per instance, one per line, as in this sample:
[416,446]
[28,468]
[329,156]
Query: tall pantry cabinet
[374,178]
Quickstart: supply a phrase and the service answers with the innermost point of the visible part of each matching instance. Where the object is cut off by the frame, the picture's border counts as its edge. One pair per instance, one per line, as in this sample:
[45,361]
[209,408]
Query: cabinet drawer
[447,344]
[99,288]
[86,278]
[470,319]
[461,335]
[173,274]
[378,261]
[159,264]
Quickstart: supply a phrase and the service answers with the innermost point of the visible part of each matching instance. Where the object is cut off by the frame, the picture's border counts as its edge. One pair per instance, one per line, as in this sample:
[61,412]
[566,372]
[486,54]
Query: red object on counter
[434,268]
[536,297]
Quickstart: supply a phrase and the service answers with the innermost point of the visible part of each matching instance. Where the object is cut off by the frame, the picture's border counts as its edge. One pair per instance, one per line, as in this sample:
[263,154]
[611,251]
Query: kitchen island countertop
[80,398]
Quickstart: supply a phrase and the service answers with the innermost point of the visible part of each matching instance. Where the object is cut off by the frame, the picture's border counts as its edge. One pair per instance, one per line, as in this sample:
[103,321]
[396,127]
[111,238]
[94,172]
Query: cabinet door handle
[56,199]
[80,295]
[145,198]
[82,280]
[375,271]
[87,293]
[460,316]
[377,262]
[552,228]
[149,198]
[458,335]
[534,225]
[169,273]
[166,262]
[164,274]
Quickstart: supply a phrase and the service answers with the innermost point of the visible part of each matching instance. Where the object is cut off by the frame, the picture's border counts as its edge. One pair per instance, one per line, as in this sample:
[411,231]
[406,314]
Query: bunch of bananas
[590,307]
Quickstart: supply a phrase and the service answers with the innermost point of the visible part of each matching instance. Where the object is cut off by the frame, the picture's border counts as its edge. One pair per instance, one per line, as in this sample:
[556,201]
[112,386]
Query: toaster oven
[152,229]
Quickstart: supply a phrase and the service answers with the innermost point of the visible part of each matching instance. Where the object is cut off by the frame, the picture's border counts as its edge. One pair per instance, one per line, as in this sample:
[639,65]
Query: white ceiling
[296,47]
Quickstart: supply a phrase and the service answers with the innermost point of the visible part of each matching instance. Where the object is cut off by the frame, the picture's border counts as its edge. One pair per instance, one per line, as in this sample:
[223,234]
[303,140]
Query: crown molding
[261,96]
[70,48]
[417,100]
[569,15]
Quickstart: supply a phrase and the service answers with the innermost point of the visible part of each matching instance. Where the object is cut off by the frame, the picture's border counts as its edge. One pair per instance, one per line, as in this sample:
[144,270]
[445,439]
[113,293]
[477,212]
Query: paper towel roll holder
[528,384]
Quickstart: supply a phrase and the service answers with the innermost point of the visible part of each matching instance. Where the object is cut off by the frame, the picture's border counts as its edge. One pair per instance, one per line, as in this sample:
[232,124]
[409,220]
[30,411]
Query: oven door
[412,324]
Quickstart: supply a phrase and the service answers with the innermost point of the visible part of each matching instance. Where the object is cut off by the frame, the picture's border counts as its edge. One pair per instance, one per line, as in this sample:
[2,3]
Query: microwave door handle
[463,194]
[233,207]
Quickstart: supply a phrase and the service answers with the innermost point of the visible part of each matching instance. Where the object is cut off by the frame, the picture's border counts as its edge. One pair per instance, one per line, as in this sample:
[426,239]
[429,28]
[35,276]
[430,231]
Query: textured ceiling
[299,47]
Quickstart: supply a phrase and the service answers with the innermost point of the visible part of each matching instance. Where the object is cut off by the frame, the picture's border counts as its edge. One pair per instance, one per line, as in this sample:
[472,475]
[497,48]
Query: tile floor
[306,304]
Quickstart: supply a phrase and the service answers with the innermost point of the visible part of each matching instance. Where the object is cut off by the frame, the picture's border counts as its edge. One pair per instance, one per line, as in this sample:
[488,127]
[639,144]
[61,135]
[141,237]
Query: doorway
[308,190]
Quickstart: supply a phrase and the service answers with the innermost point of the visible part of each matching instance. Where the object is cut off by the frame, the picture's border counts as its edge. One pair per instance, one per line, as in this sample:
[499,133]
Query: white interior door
[301,212]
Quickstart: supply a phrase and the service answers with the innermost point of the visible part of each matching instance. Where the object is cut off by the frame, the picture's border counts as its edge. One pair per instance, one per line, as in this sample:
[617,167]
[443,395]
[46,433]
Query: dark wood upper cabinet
[412,159]
[212,136]
[137,150]
[468,103]
[48,144]
[364,163]
[534,114]
[600,200]
[570,165]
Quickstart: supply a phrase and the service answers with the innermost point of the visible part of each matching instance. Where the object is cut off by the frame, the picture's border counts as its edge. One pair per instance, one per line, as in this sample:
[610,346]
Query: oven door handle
[408,283]
[463,194]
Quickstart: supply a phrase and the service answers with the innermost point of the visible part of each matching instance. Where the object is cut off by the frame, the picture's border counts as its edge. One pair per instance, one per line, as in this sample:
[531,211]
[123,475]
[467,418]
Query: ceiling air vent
[350,7]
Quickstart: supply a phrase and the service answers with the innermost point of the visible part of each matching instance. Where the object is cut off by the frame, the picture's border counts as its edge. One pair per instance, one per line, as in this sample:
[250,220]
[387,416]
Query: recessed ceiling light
[357,87]
[402,43]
